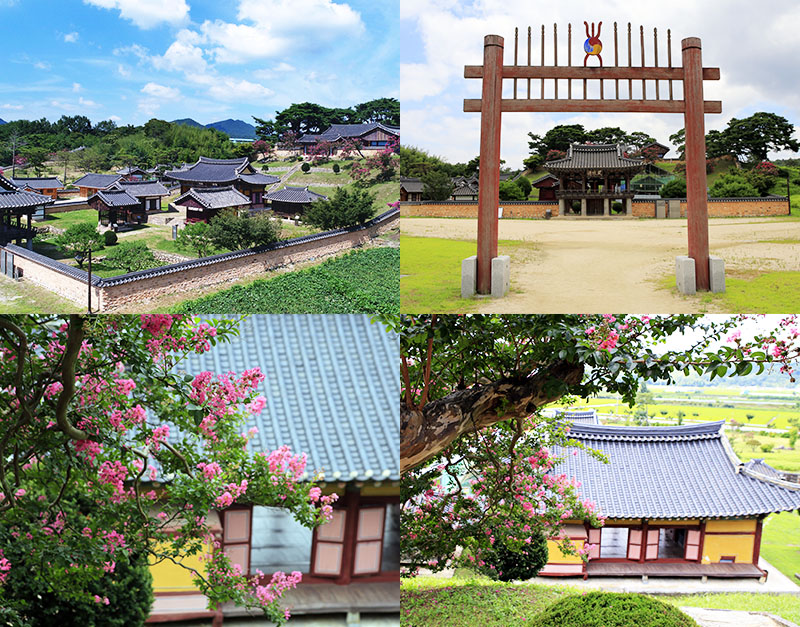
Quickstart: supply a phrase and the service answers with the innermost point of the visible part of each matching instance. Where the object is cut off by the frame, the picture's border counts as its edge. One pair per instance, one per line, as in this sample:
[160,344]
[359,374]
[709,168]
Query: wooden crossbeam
[541,71]
[510,105]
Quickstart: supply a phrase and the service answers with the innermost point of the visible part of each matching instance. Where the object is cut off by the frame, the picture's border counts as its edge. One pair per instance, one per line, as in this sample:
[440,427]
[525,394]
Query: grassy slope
[479,601]
[780,543]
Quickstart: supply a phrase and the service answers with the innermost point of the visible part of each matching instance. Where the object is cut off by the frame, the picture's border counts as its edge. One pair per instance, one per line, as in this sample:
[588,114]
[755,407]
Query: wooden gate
[491,106]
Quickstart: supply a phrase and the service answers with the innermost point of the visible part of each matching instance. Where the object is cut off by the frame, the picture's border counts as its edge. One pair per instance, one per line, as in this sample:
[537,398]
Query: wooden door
[594,538]
[329,546]
[692,551]
[651,548]
[369,540]
[236,537]
[635,544]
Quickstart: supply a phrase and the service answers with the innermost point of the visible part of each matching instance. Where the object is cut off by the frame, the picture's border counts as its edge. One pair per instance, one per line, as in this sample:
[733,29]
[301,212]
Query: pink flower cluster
[5,566]
[209,470]
[160,434]
[231,493]
[279,583]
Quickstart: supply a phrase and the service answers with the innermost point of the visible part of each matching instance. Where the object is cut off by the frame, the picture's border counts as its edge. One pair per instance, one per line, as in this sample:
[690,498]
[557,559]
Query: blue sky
[131,60]
[751,42]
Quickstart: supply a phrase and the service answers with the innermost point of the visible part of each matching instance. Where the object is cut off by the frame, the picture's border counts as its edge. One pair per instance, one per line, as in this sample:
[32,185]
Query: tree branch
[426,432]
[73,347]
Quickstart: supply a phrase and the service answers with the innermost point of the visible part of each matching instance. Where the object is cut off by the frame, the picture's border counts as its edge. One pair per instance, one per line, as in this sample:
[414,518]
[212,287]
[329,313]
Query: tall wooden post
[696,186]
[489,173]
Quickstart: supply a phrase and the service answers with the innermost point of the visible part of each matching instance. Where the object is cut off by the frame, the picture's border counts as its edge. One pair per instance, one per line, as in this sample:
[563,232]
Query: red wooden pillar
[489,173]
[696,186]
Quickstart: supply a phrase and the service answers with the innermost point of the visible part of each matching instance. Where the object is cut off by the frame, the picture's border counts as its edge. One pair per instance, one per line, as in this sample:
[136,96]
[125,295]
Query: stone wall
[130,291]
[469,209]
[717,208]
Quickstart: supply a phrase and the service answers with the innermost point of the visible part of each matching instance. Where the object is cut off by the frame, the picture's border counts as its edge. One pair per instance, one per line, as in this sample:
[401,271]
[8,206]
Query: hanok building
[49,186]
[371,136]
[149,193]
[132,173]
[410,189]
[547,186]
[331,390]
[291,201]
[202,203]
[465,188]
[15,203]
[678,502]
[239,173]
[91,183]
[594,175]
[117,207]
[660,150]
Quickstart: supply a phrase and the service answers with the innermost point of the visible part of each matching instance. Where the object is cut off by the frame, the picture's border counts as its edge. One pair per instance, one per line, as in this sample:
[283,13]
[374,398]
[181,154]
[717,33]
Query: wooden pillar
[696,186]
[489,173]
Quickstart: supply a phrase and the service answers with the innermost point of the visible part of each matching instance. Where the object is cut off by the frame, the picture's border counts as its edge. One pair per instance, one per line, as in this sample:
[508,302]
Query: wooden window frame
[249,544]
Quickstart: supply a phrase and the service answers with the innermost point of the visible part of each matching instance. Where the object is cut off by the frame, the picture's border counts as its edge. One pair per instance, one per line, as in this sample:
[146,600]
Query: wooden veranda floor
[671,569]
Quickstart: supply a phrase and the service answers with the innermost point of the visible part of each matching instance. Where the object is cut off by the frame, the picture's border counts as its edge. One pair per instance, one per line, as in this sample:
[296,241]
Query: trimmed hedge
[612,609]
[512,565]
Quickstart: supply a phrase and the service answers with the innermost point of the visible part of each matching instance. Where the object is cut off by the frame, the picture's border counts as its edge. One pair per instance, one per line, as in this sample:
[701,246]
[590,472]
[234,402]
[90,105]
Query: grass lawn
[783,459]
[479,601]
[26,297]
[328,176]
[780,543]
[66,219]
[430,274]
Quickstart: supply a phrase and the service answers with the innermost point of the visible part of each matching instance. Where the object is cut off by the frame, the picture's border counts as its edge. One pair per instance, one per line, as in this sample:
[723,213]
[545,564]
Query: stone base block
[501,276]
[685,275]
[716,274]
[673,208]
[469,276]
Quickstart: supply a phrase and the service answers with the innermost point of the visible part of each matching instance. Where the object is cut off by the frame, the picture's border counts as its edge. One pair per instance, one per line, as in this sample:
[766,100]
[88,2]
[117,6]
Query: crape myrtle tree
[474,448]
[94,409]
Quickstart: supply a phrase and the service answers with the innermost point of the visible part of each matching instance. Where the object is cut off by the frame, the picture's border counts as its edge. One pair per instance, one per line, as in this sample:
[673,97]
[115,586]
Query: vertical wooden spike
[569,59]
[529,60]
[630,64]
[644,82]
[669,57]
[542,85]
[616,58]
[655,49]
[555,55]
[516,55]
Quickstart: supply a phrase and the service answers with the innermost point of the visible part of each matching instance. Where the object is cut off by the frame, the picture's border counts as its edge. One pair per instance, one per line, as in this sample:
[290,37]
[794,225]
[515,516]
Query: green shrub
[345,208]
[336,168]
[509,190]
[506,565]
[767,448]
[306,167]
[110,238]
[131,256]
[524,184]
[616,206]
[676,188]
[612,609]
[732,185]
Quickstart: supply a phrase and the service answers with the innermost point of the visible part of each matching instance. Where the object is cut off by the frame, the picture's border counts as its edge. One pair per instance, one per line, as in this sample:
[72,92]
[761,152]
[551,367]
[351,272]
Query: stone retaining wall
[717,208]
[132,290]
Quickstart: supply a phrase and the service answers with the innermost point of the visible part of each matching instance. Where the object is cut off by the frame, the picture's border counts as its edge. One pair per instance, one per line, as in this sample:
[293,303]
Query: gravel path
[590,266]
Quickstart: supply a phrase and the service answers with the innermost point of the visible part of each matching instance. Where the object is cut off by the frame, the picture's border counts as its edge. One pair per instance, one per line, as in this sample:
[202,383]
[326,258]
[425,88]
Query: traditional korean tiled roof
[760,467]
[259,179]
[98,181]
[142,189]
[585,416]
[341,131]
[215,197]
[595,157]
[207,170]
[300,195]
[50,182]
[331,387]
[127,171]
[12,197]
[688,471]
[115,198]
[411,185]
[541,179]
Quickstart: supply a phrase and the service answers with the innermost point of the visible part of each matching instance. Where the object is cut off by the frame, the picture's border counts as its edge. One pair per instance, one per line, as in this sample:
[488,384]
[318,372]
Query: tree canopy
[97,409]
[560,137]
[473,444]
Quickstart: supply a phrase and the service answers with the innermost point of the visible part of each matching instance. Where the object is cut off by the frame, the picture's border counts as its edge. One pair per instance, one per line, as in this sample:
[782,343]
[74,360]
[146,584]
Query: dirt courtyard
[590,265]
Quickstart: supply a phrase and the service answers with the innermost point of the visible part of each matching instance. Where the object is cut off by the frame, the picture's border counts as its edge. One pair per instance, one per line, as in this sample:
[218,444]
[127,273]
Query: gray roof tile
[669,472]
[115,198]
[331,387]
[50,182]
[295,194]
[595,156]
[98,181]
[259,179]
[142,189]
[411,185]
[341,131]
[215,197]
[207,170]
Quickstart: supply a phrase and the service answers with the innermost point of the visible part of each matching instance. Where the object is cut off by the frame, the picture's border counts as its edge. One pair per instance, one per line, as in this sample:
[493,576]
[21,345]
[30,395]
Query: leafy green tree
[753,137]
[607,135]
[195,237]
[534,162]
[78,240]
[676,188]
[336,168]
[385,110]
[504,564]
[557,138]
[732,185]
[36,157]
[509,190]
[762,178]
[235,231]
[436,185]
[345,208]
[678,139]
[637,140]
[131,256]
[306,167]
[524,184]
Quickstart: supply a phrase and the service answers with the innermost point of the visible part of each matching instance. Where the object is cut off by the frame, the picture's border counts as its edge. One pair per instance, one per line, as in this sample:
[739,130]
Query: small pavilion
[678,502]
[116,206]
[596,175]
[203,203]
[293,201]
[14,203]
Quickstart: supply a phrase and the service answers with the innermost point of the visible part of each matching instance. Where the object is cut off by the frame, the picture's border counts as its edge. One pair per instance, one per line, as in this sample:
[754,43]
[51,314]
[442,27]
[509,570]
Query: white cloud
[183,54]
[87,103]
[115,118]
[12,107]
[123,71]
[71,38]
[41,65]
[74,107]
[76,87]
[161,92]
[147,13]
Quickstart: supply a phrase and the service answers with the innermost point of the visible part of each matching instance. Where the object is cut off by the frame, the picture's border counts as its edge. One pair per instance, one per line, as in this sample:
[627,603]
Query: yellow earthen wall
[169,577]
[556,556]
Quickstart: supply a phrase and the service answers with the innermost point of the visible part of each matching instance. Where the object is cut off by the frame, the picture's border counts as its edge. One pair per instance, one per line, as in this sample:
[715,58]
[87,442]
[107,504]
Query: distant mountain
[2,121]
[232,128]
[235,128]
[188,122]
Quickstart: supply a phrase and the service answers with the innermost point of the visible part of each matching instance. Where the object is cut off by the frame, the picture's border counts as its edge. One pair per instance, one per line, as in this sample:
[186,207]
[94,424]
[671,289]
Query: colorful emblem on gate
[592,46]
